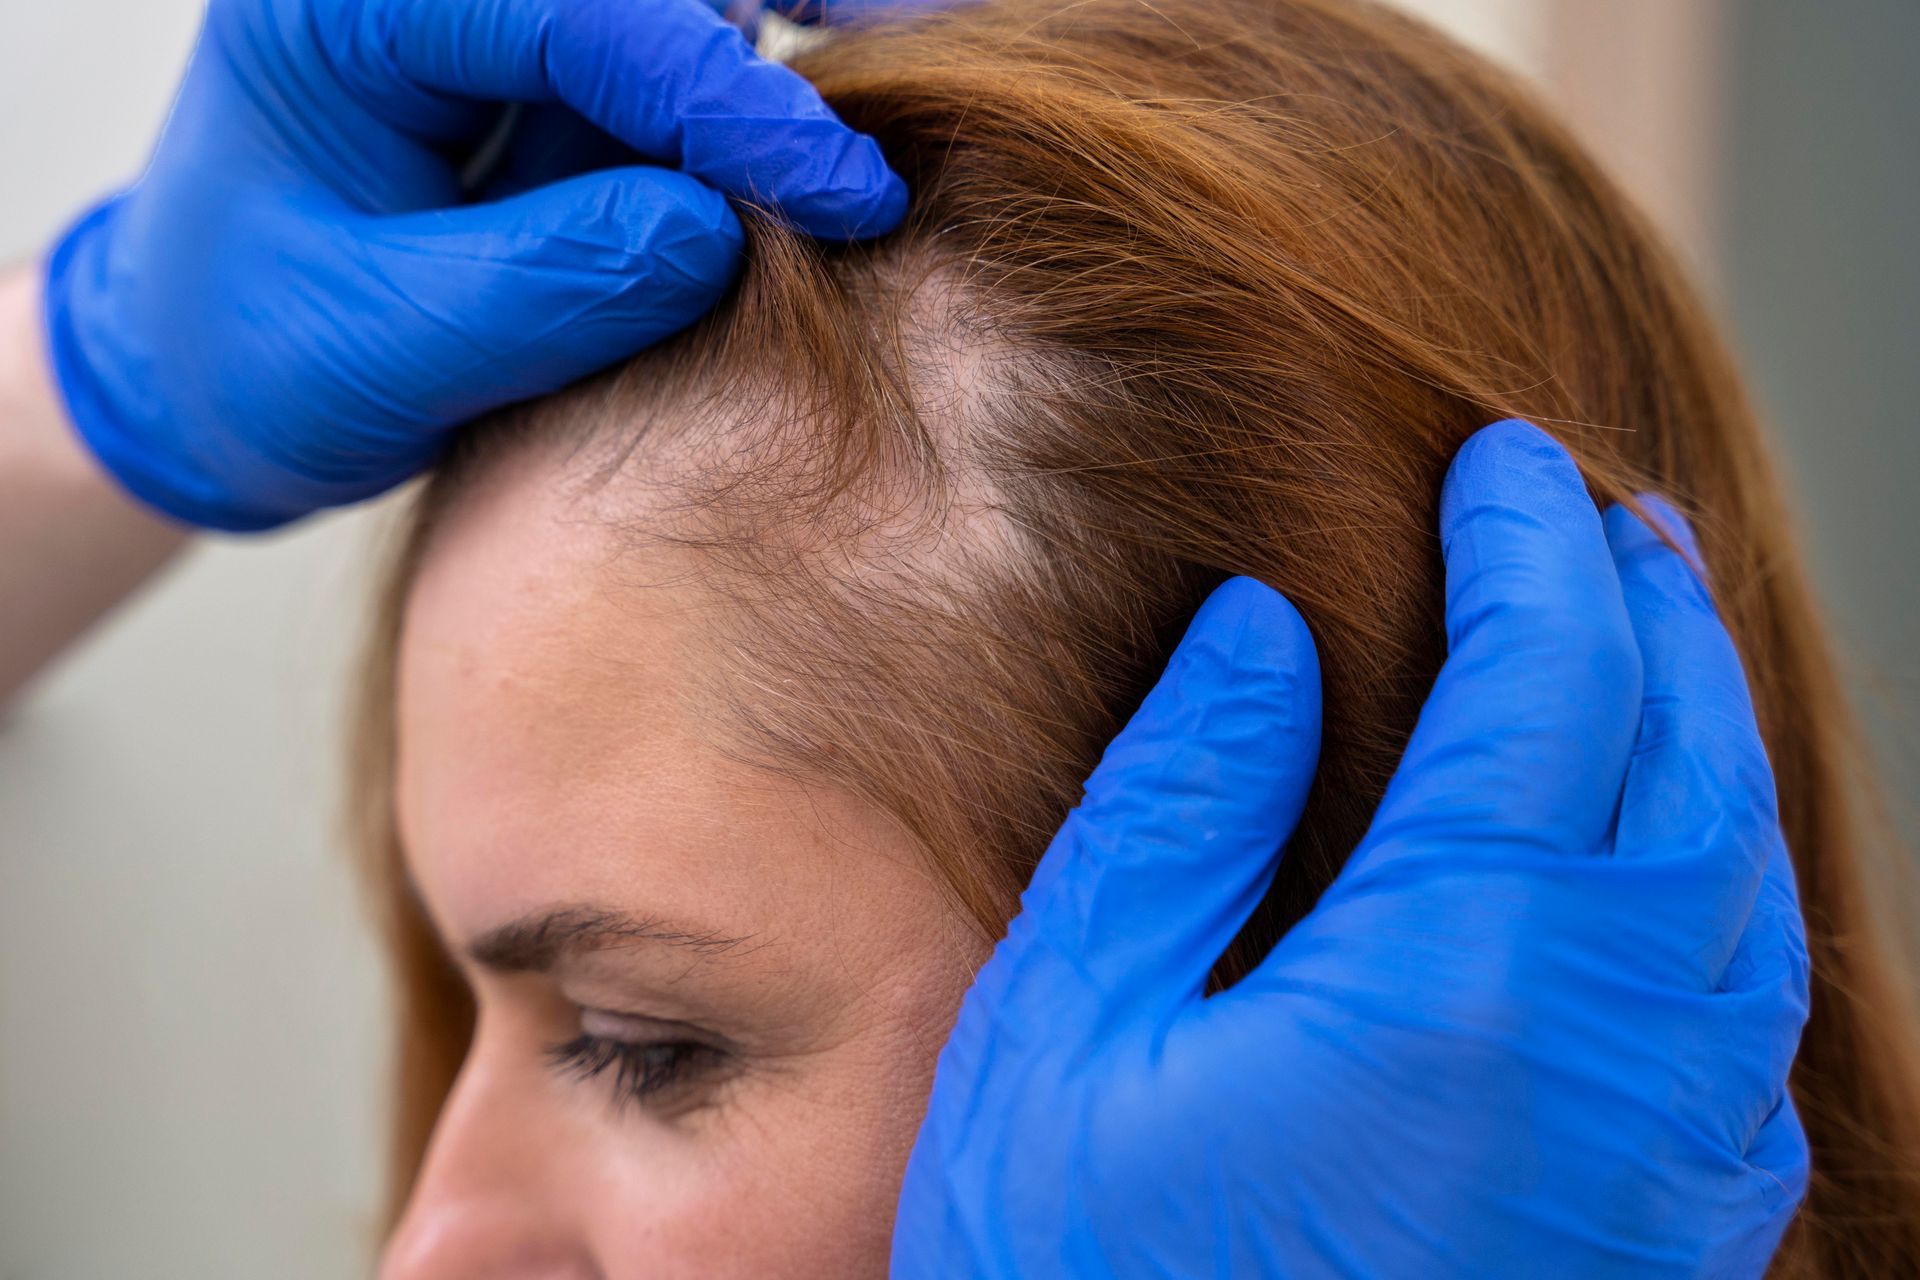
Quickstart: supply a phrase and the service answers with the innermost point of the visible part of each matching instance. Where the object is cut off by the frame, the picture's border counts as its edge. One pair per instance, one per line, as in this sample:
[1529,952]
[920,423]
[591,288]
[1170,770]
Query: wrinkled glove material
[1541,1023]
[298,300]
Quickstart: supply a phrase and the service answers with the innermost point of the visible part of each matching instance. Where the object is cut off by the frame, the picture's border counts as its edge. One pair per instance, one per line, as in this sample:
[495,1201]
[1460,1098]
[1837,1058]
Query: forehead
[560,736]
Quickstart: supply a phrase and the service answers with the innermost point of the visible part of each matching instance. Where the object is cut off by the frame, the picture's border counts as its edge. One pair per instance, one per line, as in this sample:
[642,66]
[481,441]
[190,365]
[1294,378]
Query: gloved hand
[1540,1024]
[297,300]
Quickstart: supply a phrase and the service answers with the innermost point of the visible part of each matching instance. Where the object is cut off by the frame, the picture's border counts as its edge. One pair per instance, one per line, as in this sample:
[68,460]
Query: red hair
[1190,289]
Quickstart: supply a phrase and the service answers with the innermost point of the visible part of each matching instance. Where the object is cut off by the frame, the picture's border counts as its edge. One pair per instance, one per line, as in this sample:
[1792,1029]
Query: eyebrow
[536,943]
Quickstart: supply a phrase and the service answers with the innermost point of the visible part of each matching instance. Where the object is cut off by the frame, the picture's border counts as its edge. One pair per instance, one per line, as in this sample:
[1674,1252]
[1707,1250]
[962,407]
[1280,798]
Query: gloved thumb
[1181,826]
[521,296]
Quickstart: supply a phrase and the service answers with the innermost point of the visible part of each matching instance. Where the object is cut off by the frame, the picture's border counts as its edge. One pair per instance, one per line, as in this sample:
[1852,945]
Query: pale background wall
[189,1007]
[189,1010]
[1821,248]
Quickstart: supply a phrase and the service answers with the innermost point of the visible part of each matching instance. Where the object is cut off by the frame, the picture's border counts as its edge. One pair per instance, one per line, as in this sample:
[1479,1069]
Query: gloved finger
[1779,1151]
[1700,793]
[1764,999]
[1180,828]
[668,78]
[743,15]
[1779,1163]
[1525,738]
[549,143]
[550,285]
[1772,953]
[828,12]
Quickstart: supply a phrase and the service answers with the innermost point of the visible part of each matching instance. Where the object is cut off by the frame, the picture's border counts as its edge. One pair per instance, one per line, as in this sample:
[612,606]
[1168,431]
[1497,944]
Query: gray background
[190,1026]
[1821,255]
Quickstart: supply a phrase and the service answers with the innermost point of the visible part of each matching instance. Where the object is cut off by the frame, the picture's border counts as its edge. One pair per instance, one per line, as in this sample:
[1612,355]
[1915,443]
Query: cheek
[796,1173]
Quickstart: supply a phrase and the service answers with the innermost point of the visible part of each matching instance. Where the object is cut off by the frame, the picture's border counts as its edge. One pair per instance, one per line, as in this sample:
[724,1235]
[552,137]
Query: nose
[491,1201]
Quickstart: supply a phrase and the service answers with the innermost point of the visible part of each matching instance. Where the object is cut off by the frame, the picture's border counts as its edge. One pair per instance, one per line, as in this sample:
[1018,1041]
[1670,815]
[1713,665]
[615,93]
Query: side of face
[709,998]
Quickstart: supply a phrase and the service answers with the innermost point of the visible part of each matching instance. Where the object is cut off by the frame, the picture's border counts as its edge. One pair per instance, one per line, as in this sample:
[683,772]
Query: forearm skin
[72,543]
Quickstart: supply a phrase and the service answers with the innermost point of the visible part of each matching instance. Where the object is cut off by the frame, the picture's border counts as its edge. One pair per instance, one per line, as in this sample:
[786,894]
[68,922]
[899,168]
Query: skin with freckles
[1218,287]
[710,998]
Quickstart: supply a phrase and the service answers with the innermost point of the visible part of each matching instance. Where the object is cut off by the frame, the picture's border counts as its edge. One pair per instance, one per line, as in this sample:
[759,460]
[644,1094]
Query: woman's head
[778,958]
[738,690]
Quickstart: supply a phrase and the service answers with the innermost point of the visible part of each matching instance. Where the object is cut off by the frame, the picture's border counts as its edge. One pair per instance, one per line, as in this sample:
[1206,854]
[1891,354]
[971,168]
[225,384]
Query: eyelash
[639,1071]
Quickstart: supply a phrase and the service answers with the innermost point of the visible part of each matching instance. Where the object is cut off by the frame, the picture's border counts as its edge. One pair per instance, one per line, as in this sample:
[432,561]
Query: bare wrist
[72,542]
[36,439]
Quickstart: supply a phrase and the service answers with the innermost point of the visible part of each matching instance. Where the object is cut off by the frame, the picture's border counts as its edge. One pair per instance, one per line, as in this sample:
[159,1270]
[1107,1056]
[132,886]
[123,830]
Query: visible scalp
[1191,289]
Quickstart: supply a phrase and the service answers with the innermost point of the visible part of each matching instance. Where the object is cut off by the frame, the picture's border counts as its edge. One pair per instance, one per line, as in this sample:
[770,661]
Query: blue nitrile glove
[297,301]
[1540,1024]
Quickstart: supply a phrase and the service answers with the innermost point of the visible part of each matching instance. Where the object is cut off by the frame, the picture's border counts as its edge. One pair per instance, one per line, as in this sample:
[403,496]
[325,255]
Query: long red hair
[1192,288]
